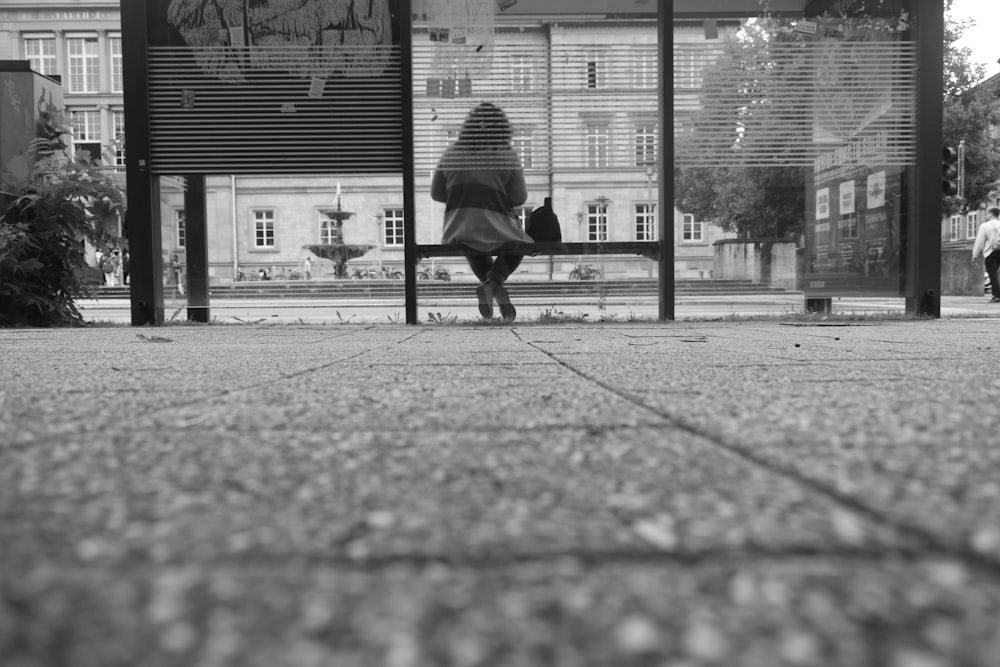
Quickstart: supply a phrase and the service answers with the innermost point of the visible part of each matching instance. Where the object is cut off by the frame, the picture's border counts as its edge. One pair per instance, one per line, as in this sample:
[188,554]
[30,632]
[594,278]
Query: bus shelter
[847,92]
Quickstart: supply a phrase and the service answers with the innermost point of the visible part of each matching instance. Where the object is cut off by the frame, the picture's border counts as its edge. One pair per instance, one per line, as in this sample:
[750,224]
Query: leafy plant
[438,318]
[44,229]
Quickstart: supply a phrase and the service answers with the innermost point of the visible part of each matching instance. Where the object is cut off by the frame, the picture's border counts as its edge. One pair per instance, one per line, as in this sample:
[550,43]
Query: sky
[982,39]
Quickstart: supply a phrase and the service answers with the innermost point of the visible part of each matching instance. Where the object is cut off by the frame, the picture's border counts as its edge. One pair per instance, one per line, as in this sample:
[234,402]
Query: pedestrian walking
[307,268]
[480,180]
[177,272]
[116,260]
[988,243]
[109,268]
[125,267]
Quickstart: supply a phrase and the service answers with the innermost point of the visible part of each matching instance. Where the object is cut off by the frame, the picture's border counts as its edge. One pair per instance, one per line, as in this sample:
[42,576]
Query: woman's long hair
[486,128]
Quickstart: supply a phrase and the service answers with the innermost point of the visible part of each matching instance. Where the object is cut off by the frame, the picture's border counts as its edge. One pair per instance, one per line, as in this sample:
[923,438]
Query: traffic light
[949,172]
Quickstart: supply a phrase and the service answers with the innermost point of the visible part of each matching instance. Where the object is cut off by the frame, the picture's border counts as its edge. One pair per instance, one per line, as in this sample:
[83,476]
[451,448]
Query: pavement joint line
[53,440]
[481,560]
[931,542]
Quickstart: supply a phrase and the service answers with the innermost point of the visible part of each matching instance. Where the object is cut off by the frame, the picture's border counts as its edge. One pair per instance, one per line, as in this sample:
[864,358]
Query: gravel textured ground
[666,494]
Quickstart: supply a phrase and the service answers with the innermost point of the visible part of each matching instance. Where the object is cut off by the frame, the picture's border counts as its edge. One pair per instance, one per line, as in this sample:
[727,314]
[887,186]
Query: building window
[331,232]
[645,222]
[451,87]
[117,75]
[645,144]
[524,144]
[522,73]
[87,133]
[597,146]
[597,222]
[597,69]
[393,226]
[692,230]
[644,72]
[118,129]
[180,227]
[84,65]
[41,52]
[971,225]
[955,228]
[689,65]
[263,228]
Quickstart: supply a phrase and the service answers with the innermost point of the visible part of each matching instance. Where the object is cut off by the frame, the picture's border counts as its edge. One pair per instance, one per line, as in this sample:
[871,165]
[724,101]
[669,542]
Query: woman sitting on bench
[480,181]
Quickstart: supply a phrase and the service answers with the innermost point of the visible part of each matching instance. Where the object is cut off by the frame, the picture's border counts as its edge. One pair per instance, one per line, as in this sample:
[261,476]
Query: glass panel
[581,98]
[800,133]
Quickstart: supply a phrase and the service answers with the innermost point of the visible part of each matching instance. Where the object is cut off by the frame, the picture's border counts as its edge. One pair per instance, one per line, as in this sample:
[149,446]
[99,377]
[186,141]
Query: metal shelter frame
[923,243]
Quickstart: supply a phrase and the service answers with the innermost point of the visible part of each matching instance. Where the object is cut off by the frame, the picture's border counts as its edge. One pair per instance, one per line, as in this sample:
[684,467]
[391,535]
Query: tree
[969,113]
[760,201]
[960,74]
[44,229]
[743,197]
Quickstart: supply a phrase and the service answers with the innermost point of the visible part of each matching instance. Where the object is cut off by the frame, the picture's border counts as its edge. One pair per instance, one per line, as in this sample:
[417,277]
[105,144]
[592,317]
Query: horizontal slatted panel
[571,106]
[275,110]
[805,104]
[595,106]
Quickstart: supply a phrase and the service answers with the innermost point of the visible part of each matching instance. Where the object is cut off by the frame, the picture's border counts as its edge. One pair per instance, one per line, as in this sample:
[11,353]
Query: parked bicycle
[376,273]
[434,273]
[281,273]
[585,272]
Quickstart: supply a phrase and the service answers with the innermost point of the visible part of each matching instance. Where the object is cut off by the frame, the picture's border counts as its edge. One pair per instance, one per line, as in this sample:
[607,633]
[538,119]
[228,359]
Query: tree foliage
[750,201]
[44,229]
[969,113]
[754,201]
[960,73]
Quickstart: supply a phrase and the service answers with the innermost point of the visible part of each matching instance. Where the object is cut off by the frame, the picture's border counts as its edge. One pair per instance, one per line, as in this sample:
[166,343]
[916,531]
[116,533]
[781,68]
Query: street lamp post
[603,215]
[649,220]
[379,238]
[650,206]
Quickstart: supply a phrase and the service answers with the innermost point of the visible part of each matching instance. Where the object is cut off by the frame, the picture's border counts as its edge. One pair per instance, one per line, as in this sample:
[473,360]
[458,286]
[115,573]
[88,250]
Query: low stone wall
[767,261]
[959,276]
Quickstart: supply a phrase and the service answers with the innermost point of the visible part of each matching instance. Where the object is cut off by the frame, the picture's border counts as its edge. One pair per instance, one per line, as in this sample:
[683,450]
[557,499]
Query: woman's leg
[482,266]
[502,268]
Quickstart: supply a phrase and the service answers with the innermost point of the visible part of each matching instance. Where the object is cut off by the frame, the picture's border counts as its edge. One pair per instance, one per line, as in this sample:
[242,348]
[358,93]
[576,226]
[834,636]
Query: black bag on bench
[542,224]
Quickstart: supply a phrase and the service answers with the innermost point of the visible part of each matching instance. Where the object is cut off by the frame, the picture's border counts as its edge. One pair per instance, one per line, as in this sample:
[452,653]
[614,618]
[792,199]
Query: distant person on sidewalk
[988,243]
[480,180]
[177,272]
[109,267]
[307,268]
[116,259]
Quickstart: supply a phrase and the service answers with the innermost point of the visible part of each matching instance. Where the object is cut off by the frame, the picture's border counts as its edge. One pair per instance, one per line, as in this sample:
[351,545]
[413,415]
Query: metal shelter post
[196,247]
[409,161]
[925,253]
[145,246]
[665,226]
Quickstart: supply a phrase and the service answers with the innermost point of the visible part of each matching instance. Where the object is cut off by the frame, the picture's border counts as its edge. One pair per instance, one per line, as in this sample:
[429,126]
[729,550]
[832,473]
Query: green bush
[44,229]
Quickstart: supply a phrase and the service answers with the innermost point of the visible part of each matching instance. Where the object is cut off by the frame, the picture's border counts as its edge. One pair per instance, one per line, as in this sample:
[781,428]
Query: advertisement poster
[823,203]
[853,248]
